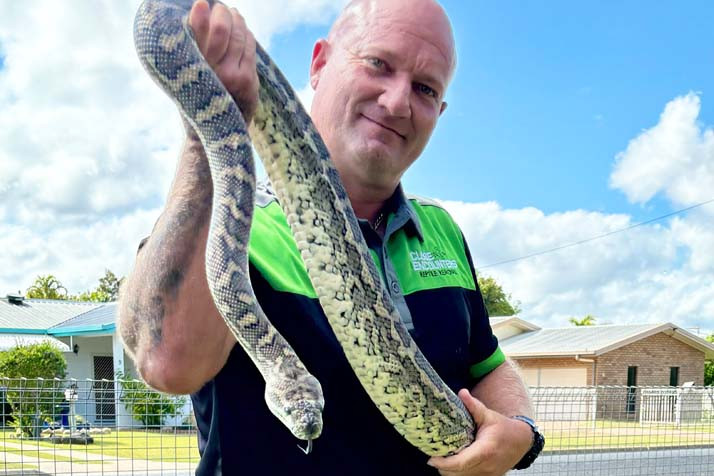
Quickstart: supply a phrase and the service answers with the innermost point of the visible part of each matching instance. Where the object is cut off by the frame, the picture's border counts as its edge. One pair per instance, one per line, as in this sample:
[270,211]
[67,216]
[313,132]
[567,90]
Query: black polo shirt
[428,271]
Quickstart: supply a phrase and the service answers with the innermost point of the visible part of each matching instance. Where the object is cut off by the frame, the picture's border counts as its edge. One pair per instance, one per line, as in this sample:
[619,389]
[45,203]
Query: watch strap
[536,447]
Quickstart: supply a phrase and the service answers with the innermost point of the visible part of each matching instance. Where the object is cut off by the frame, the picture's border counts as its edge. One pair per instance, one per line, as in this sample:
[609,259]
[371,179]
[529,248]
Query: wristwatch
[536,447]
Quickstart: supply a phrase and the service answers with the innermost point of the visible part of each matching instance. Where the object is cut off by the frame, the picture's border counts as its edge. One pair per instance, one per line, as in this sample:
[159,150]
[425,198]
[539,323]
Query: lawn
[132,444]
[624,435]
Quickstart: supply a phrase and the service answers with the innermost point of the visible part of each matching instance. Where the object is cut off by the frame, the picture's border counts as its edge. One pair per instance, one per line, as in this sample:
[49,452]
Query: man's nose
[396,97]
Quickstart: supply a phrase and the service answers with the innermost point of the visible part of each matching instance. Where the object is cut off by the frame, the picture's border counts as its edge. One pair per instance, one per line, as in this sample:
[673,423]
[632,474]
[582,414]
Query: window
[674,376]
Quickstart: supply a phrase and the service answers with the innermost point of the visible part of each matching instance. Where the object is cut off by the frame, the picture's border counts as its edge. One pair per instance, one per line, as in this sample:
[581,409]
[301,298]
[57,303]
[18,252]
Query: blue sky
[545,97]
[566,120]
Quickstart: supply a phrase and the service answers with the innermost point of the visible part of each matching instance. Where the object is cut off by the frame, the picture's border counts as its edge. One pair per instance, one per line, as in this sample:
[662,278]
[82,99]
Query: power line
[568,245]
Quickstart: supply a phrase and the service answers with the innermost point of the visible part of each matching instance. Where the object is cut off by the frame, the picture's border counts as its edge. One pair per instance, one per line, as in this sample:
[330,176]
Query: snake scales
[379,348]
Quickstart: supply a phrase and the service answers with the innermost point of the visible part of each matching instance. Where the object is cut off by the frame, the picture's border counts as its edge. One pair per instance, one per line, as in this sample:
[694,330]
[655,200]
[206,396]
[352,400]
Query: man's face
[379,92]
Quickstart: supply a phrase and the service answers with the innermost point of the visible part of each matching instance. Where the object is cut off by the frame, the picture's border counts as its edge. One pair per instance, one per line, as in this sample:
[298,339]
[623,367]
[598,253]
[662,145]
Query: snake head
[297,402]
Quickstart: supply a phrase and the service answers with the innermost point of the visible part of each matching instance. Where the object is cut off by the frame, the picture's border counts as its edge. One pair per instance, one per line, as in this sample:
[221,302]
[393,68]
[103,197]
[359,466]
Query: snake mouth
[308,430]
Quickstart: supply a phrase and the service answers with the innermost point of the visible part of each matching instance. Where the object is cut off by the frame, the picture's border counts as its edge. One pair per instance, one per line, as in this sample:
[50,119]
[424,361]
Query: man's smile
[398,133]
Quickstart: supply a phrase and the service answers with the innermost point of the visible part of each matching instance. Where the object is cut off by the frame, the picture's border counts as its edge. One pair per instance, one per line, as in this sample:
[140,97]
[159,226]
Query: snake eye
[287,410]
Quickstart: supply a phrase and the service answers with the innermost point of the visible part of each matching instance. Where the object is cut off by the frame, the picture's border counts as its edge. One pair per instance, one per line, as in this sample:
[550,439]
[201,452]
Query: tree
[588,320]
[38,393]
[108,289]
[47,287]
[709,366]
[497,302]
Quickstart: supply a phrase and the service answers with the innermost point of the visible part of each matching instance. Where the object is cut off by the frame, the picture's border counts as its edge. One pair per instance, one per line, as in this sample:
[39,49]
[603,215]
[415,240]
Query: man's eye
[424,89]
[376,62]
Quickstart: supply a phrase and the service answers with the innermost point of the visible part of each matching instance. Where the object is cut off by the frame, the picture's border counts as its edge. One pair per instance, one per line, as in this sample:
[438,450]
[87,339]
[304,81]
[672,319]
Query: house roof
[514,321]
[35,316]
[98,320]
[594,340]
[10,341]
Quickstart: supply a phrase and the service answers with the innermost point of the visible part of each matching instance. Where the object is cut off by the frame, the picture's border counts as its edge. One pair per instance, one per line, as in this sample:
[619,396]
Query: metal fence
[628,431]
[109,427]
[102,427]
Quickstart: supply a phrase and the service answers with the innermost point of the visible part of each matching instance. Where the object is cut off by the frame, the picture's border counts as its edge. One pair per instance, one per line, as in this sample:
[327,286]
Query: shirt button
[395,287]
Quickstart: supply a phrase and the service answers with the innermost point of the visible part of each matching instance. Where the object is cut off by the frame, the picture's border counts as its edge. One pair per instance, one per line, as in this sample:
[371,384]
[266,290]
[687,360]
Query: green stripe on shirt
[485,366]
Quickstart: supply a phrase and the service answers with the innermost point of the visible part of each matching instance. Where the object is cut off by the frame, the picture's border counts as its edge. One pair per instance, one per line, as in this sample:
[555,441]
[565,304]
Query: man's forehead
[361,17]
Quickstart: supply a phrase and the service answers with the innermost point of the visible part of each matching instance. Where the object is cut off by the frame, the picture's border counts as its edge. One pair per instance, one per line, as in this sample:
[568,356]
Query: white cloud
[306,94]
[647,274]
[267,18]
[675,157]
[657,272]
[89,143]
[77,255]
[89,146]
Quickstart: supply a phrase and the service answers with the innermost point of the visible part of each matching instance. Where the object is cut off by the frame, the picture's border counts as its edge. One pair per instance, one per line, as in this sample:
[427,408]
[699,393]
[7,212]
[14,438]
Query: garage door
[555,377]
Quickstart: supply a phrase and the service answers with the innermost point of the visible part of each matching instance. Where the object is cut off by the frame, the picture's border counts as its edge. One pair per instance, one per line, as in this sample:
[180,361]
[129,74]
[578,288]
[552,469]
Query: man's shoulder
[430,207]
[424,201]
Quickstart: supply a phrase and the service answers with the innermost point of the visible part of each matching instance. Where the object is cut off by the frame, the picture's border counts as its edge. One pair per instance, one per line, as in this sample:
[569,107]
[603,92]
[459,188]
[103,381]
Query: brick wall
[653,357]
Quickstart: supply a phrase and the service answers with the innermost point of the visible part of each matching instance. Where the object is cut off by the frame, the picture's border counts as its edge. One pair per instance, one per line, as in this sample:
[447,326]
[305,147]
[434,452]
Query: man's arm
[503,391]
[167,318]
[500,441]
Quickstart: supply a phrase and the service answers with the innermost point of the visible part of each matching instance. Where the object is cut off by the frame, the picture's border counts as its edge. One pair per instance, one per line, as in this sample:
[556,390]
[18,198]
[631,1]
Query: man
[379,80]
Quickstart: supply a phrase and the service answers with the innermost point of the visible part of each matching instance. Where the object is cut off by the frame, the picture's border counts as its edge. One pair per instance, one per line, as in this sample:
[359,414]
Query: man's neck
[368,204]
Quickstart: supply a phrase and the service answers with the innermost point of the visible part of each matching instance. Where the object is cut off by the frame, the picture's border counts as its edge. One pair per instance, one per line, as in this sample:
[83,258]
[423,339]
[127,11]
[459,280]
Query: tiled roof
[40,314]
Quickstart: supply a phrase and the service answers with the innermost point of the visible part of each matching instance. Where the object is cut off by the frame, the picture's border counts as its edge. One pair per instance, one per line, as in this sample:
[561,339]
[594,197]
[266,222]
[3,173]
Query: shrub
[147,405]
[33,392]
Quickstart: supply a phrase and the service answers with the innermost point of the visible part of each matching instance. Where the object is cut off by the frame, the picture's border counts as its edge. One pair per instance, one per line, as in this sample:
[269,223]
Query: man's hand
[500,443]
[229,48]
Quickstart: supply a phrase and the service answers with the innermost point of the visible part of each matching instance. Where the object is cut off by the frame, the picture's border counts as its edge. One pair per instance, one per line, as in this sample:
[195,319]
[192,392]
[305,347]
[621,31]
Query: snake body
[384,357]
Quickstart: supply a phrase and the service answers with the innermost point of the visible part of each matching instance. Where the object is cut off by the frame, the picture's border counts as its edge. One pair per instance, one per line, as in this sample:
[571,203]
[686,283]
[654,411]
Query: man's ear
[320,52]
[443,107]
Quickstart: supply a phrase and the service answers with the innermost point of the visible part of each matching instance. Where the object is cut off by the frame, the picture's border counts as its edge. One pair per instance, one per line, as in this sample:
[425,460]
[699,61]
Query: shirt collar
[398,204]
[404,215]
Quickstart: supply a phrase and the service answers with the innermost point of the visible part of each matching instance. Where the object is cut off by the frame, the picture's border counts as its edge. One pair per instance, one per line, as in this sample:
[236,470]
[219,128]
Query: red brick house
[633,354]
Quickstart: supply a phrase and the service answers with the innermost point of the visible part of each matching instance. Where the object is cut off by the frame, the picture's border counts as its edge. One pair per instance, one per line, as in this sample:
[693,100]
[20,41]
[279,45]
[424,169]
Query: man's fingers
[219,34]
[468,458]
[199,21]
[474,406]
[238,37]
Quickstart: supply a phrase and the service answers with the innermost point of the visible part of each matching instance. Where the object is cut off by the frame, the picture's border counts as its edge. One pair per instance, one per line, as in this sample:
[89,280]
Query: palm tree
[588,320]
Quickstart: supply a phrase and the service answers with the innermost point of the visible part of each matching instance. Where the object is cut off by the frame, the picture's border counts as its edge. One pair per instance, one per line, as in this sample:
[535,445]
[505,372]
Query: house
[85,333]
[631,354]
[616,358]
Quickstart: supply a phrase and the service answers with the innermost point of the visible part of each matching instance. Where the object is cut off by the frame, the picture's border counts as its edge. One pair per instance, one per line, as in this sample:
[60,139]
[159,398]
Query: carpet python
[385,359]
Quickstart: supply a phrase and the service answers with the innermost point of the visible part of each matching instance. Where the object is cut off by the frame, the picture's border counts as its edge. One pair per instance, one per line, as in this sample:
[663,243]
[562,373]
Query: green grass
[118,444]
[35,454]
[151,445]
[621,435]
[22,466]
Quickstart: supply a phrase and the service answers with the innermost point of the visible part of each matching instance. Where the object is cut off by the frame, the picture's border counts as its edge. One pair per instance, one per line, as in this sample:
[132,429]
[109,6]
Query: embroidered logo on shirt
[432,263]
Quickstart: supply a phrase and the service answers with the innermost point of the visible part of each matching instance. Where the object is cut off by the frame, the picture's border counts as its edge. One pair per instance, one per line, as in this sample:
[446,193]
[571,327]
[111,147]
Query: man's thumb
[474,406]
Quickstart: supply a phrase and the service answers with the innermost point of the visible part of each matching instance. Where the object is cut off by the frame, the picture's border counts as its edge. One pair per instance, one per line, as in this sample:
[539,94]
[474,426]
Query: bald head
[359,15]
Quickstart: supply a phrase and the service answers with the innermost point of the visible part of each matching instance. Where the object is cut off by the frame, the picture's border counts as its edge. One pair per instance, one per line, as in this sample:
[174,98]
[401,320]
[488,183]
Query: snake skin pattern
[387,362]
